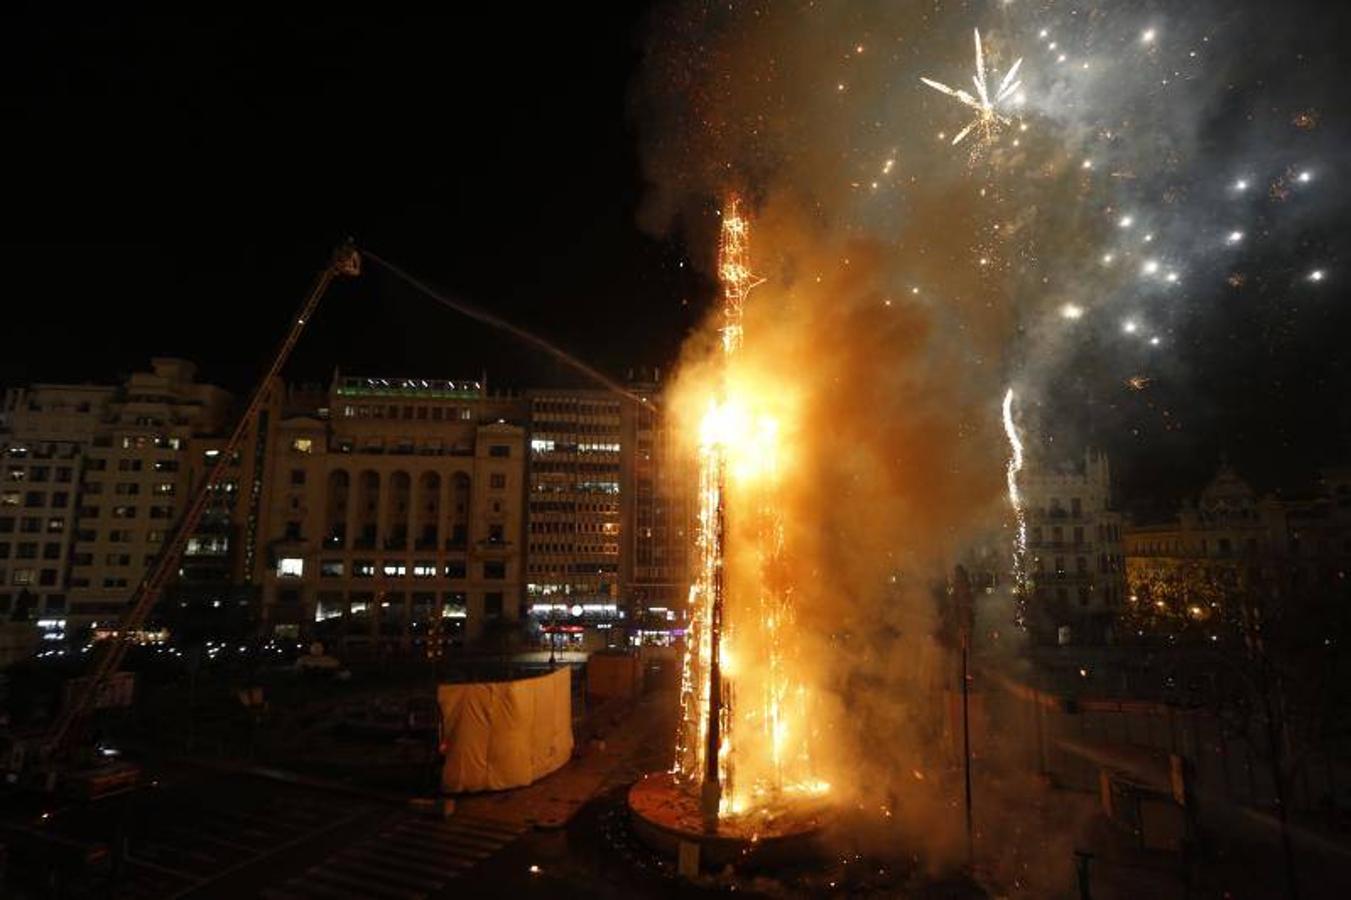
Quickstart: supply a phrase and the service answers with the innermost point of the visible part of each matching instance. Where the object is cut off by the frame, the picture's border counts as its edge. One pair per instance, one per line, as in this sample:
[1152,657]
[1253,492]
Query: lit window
[290,567]
[328,608]
[10,498]
[395,569]
[302,445]
[165,487]
[330,568]
[424,570]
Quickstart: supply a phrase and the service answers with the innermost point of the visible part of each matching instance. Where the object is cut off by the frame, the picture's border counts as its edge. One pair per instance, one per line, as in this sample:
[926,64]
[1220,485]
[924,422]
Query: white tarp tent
[503,734]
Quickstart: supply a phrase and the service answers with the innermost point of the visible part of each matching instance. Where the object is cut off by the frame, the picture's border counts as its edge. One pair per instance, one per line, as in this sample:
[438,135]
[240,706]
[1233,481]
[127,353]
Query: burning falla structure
[743,753]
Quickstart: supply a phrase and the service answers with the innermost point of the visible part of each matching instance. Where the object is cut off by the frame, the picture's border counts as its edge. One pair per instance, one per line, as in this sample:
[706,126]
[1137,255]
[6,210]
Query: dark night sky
[176,182]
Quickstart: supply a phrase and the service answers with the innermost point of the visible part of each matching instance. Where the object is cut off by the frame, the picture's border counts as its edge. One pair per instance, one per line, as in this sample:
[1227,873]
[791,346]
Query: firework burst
[988,117]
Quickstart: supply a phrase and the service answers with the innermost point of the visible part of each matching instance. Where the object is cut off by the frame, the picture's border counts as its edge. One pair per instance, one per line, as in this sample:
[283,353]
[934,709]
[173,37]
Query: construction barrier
[505,734]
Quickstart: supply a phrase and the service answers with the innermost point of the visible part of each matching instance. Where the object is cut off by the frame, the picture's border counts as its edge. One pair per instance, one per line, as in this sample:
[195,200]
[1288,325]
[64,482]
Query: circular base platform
[665,815]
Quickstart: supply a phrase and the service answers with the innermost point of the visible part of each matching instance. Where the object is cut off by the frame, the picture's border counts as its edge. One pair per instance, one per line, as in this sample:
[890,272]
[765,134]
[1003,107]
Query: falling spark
[1070,311]
[1129,326]
[1241,184]
[1126,222]
[988,118]
[1150,267]
[1147,37]
[1154,341]
[1015,466]
[1317,275]
[1234,237]
[1305,177]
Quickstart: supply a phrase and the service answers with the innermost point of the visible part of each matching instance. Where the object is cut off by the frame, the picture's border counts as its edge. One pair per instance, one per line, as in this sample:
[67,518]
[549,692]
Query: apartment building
[656,484]
[107,471]
[45,433]
[1075,559]
[575,514]
[1299,544]
[390,511]
[396,518]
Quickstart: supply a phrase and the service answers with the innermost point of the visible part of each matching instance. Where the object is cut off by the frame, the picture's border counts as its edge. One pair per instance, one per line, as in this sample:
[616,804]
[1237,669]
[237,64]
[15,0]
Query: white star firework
[988,118]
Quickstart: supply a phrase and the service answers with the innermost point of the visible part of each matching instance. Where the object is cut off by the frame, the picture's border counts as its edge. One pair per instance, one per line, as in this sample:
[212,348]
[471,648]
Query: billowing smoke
[877,343]
[909,283]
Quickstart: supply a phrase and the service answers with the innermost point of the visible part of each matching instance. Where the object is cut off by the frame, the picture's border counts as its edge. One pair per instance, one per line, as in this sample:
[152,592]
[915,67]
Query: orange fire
[741,601]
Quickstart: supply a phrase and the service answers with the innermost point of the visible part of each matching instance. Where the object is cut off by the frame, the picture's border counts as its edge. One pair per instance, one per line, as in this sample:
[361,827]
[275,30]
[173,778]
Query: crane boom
[346,261]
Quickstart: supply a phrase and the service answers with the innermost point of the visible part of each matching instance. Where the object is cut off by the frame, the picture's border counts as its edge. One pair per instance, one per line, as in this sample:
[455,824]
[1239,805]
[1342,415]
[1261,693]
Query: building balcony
[1062,577]
[1083,546]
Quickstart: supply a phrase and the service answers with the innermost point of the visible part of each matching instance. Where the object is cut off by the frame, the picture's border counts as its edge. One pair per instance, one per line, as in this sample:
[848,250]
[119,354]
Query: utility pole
[964,607]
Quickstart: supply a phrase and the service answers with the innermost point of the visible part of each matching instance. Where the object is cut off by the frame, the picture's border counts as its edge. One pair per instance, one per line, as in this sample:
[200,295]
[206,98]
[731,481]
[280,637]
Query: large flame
[741,599]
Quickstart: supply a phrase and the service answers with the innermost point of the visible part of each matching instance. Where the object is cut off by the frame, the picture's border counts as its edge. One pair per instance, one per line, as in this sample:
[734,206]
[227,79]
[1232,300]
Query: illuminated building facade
[1076,566]
[396,515]
[45,433]
[120,463]
[656,484]
[371,510]
[1300,543]
[576,512]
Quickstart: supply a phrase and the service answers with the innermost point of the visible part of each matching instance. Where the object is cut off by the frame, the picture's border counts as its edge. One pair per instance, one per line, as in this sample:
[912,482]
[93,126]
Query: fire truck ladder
[346,262]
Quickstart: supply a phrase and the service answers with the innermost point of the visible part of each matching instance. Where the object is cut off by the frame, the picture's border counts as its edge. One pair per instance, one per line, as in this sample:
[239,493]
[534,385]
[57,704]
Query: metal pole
[966,746]
[1081,860]
[965,611]
[710,797]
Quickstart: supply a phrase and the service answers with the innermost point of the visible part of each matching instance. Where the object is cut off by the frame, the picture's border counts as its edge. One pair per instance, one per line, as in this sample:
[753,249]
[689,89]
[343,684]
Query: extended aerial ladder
[346,262]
